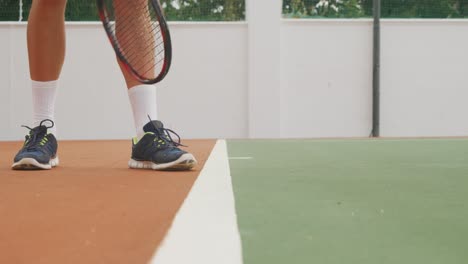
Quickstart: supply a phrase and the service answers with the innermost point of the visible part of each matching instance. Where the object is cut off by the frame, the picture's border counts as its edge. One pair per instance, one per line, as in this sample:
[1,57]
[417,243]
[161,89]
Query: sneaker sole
[32,164]
[185,162]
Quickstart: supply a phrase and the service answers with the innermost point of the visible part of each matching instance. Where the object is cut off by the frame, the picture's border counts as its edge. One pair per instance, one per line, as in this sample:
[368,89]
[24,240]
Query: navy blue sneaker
[39,150]
[158,151]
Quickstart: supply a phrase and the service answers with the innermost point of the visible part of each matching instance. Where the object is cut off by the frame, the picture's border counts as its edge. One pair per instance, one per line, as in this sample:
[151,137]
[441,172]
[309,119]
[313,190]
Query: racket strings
[126,19]
[151,43]
[137,33]
[145,42]
[130,23]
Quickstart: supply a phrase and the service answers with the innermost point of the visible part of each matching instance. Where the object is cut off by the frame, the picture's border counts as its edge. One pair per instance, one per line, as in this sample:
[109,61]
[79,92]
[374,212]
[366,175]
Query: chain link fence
[175,10]
[364,8]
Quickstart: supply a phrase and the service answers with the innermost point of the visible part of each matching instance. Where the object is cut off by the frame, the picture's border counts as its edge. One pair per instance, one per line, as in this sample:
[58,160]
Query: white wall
[5,79]
[205,93]
[203,96]
[264,64]
[326,69]
[424,78]
[326,72]
[227,82]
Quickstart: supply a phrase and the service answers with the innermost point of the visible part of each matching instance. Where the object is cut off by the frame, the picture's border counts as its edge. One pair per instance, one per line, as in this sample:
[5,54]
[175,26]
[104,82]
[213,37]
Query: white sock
[143,102]
[43,98]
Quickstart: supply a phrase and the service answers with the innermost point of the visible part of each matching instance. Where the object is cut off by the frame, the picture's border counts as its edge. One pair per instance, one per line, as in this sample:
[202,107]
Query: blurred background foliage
[175,10]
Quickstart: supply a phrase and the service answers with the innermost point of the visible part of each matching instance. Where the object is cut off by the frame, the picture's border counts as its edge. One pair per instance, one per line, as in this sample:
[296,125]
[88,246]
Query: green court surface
[351,201]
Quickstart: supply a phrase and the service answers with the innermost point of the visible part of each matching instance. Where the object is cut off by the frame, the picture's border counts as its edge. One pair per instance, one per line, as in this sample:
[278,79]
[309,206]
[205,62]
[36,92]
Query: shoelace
[167,137]
[38,135]
[164,136]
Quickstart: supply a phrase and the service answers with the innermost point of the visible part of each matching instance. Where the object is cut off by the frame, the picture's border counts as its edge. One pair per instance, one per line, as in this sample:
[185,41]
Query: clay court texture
[248,201]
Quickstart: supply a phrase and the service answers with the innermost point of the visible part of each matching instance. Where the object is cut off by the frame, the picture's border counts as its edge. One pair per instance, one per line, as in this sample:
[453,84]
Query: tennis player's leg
[46,51]
[153,147]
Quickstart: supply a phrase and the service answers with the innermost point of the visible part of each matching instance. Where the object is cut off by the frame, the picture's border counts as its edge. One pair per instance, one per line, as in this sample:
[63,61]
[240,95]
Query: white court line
[205,229]
[240,158]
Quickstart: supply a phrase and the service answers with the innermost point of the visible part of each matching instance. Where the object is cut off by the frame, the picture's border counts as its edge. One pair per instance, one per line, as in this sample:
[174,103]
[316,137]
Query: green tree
[9,10]
[363,8]
[234,10]
[421,9]
[204,10]
[79,10]
[181,10]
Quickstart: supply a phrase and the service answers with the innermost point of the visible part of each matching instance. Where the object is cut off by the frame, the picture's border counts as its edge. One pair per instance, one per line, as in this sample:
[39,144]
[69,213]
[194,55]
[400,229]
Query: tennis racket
[139,35]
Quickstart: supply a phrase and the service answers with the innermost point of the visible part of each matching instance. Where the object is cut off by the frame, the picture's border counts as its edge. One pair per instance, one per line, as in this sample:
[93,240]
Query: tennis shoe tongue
[154,126]
[39,130]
